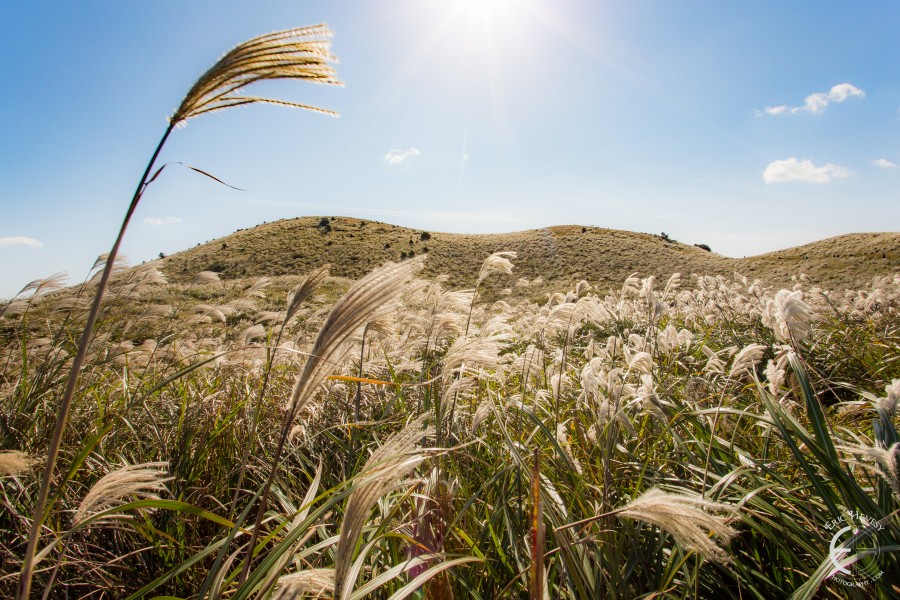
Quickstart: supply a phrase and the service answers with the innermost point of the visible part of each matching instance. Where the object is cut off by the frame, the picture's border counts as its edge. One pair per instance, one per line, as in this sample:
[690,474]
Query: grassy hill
[559,255]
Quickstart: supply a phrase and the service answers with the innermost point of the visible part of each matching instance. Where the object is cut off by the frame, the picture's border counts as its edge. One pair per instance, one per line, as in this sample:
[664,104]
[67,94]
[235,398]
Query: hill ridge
[558,254]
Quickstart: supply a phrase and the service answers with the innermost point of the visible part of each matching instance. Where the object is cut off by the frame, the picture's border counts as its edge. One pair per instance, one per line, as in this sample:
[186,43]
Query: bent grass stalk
[291,54]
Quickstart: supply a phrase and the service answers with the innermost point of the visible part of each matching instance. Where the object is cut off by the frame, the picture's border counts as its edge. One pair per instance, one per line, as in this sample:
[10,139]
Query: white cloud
[398,157]
[160,221]
[20,240]
[792,169]
[776,110]
[816,103]
[884,163]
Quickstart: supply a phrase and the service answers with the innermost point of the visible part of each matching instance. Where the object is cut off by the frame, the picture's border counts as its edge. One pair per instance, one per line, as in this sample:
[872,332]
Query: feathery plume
[315,583]
[46,285]
[747,359]
[206,278]
[365,301]
[889,403]
[562,438]
[119,265]
[252,333]
[775,377]
[256,290]
[156,311]
[143,481]
[304,290]
[789,316]
[886,459]
[269,317]
[219,313]
[641,362]
[381,473]
[498,262]
[484,410]
[688,518]
[471,352]
[301,53]
[13,462]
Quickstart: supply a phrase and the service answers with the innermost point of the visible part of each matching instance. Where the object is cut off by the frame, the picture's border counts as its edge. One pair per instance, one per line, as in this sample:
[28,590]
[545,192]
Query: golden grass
[560,256]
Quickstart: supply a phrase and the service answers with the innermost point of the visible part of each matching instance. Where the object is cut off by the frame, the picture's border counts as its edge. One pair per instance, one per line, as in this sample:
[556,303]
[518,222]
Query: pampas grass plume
[690,520]
[387,465]
[13,462]
[141,481]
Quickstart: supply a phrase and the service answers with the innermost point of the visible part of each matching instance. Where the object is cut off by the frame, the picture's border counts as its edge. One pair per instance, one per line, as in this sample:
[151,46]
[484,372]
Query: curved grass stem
[65,404]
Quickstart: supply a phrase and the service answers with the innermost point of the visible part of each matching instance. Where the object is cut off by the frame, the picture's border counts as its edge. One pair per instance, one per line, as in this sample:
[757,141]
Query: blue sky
[746,126]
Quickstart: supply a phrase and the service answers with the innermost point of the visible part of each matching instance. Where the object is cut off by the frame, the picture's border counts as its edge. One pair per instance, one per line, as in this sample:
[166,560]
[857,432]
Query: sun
[474,15]
[483,8]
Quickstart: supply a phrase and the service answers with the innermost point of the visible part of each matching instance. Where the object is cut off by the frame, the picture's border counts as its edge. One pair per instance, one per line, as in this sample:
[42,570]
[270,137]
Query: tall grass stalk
[290,54]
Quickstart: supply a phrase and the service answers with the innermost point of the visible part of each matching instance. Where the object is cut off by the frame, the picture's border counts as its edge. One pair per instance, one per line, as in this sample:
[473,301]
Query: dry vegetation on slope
[559,255]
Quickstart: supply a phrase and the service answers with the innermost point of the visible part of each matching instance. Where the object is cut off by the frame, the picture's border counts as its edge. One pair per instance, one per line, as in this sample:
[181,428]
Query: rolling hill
[559,255]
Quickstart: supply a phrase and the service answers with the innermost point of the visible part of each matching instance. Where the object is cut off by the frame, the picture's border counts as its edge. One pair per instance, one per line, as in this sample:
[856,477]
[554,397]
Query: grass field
[400,436]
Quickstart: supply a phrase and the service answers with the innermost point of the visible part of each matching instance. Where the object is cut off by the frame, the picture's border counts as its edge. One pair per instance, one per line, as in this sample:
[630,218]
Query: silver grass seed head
[269,317]
[120,264]
[141,481]
[689,519]
[366,300]
[483,411]
[641,362]
[498,262]
[884,459]
[251,334]
[301,53]
[15,462]
[388,464]
[889,403]
[789,316]
[206,278]
[241,305]
[217,313]
[563,439]
[157,311]
[746,360]
[469,352]
[305,289]
[775,377]
[257,290]
[309,583]
[39,287]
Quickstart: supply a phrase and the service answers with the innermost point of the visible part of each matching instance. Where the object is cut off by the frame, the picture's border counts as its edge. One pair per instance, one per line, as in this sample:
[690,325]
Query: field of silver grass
[314,437]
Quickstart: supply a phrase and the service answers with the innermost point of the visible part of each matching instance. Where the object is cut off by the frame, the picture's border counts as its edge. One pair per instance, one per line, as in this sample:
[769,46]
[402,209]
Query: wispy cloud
[791,169]
[816,103]
[160,221]
[398,157]
[20,240]
[884,163]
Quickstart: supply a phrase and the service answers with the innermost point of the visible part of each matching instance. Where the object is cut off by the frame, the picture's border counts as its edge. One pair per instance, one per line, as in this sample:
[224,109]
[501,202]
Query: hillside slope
[559,255]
